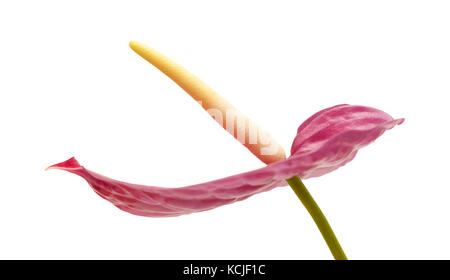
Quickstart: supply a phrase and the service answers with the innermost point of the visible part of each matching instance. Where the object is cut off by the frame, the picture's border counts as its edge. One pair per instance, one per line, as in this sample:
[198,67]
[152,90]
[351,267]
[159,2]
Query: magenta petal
[331,138]
[327,140]
[164,202]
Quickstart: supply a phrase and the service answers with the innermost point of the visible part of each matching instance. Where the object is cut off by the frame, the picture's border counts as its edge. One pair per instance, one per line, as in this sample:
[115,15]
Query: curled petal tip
[400,121]
[69,164]
[394,122]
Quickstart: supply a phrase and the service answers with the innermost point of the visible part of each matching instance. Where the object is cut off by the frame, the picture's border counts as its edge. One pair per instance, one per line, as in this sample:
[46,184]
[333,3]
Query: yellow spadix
[256,140]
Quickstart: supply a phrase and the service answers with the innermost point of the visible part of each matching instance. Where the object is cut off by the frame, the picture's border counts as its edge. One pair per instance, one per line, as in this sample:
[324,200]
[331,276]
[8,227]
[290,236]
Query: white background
[70,86]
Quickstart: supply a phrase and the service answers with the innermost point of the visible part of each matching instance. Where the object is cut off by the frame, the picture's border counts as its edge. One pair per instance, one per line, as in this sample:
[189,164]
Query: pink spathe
[324,142]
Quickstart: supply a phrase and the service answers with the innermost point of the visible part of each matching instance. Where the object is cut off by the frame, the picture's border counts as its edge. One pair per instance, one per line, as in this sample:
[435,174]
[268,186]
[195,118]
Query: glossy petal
[331,138]
[327,140]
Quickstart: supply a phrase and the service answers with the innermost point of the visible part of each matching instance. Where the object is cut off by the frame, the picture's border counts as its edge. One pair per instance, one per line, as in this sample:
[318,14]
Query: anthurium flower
[324,142]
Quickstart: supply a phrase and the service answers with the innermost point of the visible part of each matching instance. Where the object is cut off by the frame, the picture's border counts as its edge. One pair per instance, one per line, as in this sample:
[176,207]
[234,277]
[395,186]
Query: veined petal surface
[324,142]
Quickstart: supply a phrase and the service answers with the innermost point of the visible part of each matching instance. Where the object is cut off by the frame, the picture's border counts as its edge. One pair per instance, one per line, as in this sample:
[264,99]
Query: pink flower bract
[324,142]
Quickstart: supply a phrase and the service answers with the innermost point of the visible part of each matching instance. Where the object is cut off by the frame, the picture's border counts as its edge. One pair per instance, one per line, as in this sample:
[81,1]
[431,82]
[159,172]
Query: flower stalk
[319,218]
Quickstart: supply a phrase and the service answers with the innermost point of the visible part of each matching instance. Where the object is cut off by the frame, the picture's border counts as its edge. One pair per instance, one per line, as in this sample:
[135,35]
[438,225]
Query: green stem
[318,217]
